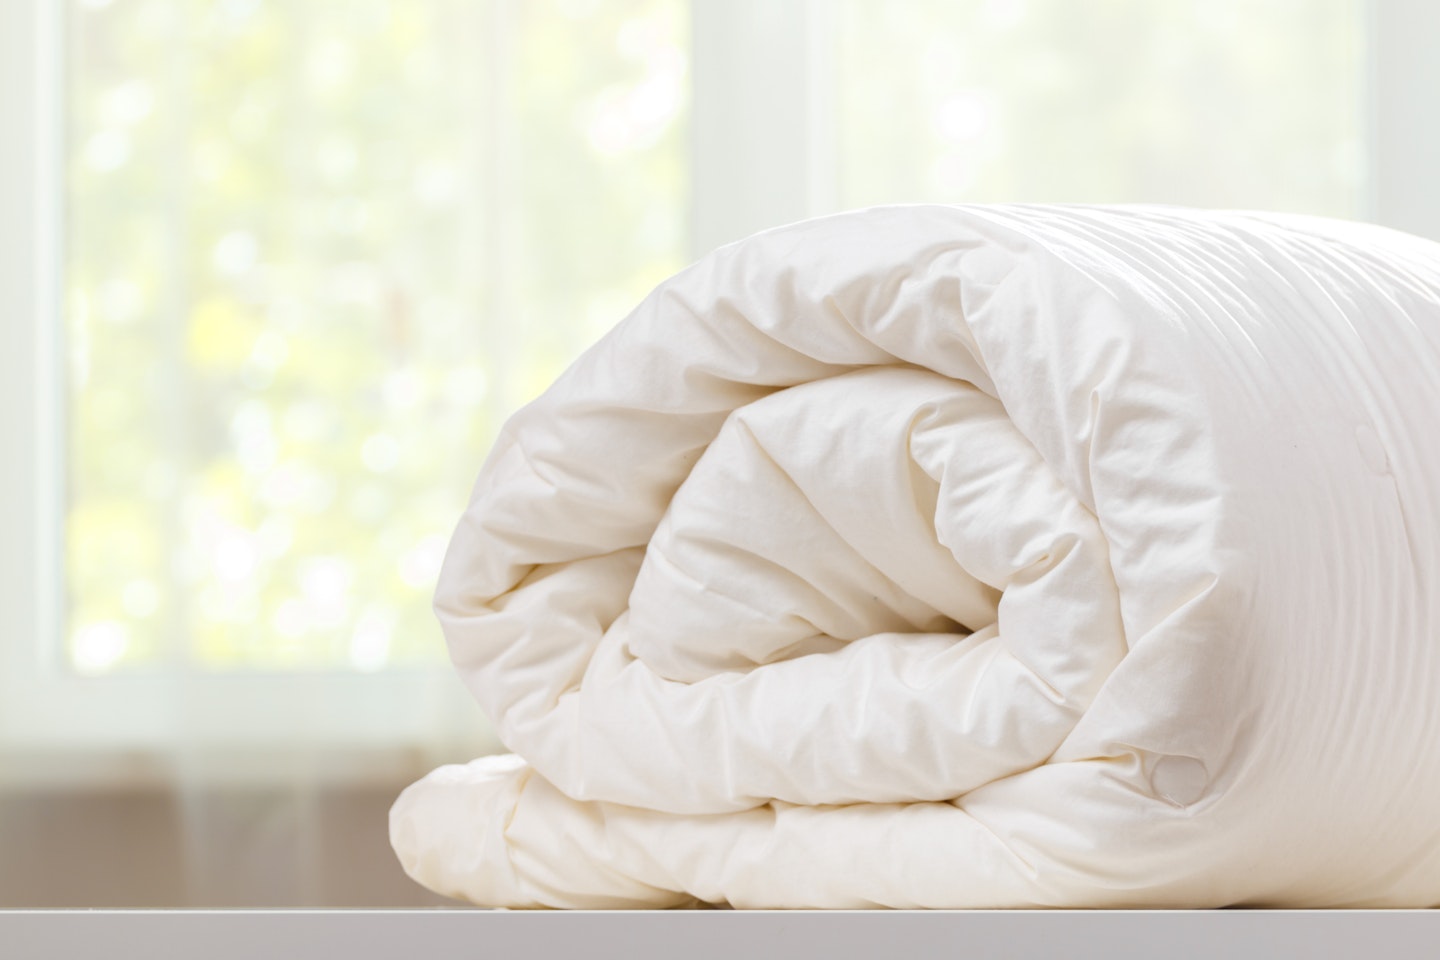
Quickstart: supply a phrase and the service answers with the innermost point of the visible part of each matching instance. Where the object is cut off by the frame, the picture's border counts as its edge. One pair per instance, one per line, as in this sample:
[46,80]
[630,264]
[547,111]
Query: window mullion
[755,158]
[1404,118]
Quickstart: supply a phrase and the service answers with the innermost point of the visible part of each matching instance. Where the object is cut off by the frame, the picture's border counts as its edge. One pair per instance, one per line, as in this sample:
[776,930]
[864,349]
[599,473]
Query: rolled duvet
[966,556]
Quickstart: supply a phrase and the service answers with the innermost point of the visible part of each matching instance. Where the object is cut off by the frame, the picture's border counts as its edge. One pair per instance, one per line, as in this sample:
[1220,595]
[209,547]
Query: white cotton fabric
[967,556]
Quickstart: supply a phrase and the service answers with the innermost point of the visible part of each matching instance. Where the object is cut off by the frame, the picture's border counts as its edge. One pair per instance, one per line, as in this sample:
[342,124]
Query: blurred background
[274,273]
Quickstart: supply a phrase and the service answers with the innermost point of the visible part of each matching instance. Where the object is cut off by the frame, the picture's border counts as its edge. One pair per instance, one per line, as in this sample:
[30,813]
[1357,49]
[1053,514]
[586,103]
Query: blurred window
[1212,103]
[316,252]
[312,253]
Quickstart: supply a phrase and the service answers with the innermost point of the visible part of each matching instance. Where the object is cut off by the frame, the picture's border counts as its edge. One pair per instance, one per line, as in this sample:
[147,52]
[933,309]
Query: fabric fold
[966,556]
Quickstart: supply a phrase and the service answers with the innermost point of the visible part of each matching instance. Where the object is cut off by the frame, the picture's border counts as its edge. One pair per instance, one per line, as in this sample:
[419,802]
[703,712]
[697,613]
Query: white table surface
[700,935]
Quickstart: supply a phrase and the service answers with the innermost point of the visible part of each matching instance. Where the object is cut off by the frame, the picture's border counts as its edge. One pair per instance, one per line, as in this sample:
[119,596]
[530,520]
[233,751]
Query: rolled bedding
[966,556]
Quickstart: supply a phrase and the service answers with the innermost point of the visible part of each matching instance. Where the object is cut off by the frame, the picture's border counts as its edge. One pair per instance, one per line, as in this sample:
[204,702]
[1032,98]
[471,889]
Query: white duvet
[944,556]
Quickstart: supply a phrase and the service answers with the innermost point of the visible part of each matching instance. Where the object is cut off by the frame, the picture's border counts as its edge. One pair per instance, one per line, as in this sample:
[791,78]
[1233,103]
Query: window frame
[761,152]
[116,725]
[1403,102]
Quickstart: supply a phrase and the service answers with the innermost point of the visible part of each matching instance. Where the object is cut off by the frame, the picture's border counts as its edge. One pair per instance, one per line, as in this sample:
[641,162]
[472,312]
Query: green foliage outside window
[317,251]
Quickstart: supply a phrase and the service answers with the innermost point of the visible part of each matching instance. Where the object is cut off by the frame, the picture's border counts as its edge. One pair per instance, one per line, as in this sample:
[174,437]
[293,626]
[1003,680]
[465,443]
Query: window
[315,253]
[303,259]
[1231,103]
[273,273]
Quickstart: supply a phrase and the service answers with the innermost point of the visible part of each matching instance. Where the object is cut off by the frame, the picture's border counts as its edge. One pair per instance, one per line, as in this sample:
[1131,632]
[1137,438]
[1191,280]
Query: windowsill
[319,765]
[158,728]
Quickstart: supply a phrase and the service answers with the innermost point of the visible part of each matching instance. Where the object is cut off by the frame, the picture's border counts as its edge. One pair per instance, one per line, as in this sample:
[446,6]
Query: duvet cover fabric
[966,556]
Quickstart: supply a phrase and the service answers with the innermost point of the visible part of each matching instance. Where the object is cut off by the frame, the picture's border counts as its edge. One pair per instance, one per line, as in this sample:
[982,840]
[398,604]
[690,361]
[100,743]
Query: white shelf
[699,935]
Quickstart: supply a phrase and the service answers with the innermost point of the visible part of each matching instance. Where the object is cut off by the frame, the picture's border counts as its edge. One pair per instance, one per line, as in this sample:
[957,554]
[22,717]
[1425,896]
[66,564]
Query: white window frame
[56,726]
[1404,122]
[762,141]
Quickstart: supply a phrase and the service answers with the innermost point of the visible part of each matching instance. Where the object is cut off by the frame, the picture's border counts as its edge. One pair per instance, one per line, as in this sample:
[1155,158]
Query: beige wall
[149,848]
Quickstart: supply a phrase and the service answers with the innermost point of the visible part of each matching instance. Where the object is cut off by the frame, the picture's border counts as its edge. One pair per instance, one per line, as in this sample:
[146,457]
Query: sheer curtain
[287,267]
